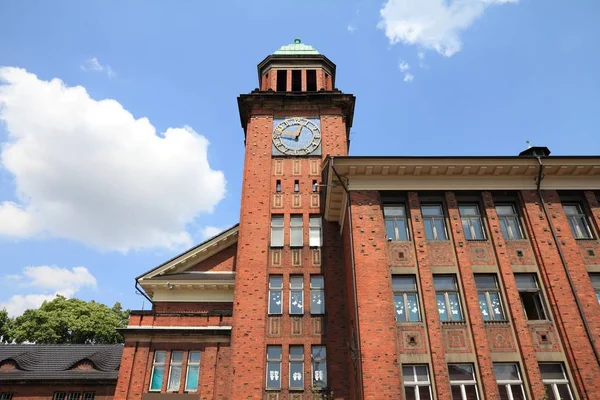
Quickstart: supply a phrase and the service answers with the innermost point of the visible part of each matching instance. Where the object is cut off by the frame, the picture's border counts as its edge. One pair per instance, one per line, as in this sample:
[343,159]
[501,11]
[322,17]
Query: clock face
[297,136]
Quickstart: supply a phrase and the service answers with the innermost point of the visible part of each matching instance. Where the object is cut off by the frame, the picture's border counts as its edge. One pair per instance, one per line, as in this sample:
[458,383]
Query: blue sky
[93,192]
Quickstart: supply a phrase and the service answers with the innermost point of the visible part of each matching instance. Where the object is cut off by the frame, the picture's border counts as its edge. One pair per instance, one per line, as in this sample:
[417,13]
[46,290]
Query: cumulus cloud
[88,170]
[432,24]
[408,77]
[404,66]
[92,64]
[51,281]
[210,231]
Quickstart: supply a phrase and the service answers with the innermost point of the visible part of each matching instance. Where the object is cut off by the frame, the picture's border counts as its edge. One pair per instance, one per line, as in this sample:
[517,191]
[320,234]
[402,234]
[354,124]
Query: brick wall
[33,391]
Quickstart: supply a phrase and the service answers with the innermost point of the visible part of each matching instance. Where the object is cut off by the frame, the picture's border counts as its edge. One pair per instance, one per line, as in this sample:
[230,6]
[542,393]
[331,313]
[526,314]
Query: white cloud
[87,170]
[432,24]
[210,231]
[408,77]
[351,28]
[404,66]
[51,280]
[93,64]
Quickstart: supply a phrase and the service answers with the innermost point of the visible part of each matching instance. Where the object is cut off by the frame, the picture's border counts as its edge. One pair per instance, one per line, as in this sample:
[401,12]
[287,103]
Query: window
[59,396]
[555,381]
[278,186]
[315,231]
[296,367]
[193,371]
[73,395]
[531,296]
[158,370]
[317,295]
[296,294]
[490,301]
[463,382]
[296,231]
[175,371]
[405,298]
[6,396]
[296,80]
[281,80]
[311,80]
[275,294]
[509,222]
[578,221]
[510,384]
[471,222]
[273,367]
[315,186]
[446,293]
[396,225]
[319,366]
[276,230]
[416,382]
[433,219]
[296,186]
[596,283]
[88,396]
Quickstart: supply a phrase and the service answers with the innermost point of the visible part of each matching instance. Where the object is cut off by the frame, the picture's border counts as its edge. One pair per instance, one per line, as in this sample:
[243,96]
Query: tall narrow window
[273,367]
[296,239]
[311,80]
[296,367]
[319,366]
[276,230]
[278,186]
[275,294]
[433,219]
[296,80]
[158,370]
[59,396]
[509,222]
[471,222]
[315,186]
[556,381]
[175,371]
[578,221]
[193,371]
[463,382]
[281,80]
[490,301]
[448,300]
[596,283]
[510,384]
[317,295]
[315,231]
[74,396]
[406,298]
[86,396]
[396,225]
[296,186]
[296,294]
[531,296]
[417,385]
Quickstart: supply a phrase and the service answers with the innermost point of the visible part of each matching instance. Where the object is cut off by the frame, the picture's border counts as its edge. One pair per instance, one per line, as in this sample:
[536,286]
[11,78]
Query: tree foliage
[70,321]
[5,327]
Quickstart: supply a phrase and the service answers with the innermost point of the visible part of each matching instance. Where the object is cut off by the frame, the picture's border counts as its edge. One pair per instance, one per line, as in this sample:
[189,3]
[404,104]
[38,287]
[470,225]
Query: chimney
[535,151]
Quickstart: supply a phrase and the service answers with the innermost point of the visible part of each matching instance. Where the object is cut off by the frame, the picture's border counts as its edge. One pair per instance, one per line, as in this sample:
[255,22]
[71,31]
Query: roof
[296,48]
[40,362]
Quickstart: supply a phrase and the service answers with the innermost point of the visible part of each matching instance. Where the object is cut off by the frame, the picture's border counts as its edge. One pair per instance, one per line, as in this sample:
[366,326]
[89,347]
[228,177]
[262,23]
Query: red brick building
[376,277]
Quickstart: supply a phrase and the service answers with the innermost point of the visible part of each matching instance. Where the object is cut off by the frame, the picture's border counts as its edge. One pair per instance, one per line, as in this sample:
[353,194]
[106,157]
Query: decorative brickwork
[481,254]
[520,252]
[544,337]
[400,254]
[456,338]
[500,338]
[412,339]
[440,253]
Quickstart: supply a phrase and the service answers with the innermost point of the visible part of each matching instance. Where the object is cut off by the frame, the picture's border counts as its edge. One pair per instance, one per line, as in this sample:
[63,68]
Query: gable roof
[40,362]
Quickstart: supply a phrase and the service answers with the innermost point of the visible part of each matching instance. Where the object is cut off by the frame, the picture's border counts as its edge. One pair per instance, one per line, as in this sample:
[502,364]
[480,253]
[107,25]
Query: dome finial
[297,41]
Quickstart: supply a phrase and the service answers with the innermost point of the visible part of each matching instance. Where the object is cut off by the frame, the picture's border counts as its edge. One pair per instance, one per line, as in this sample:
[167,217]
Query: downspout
[141,291]
[564,261]
[361,394]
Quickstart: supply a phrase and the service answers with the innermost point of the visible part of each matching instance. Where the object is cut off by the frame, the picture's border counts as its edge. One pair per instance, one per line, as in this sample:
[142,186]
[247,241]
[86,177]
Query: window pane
[315,237]
[275,302]
[159,356]
[412,307]
[402,230]
[504,227]
[478,228]
[455,311]
[504,210]
[506,372]
[408,374]
[400,307]
[276,237]
[421,371]
[467,229]
[563,390]
[433,210]
[296,375]
[571,209]
[296,220]
[319,374]
[471,392]
[295,236]
[440,227]
[532,305]
[517,392]
[194,357]
[444,282]
[486,281]
[460,372]
[428,229]
[296,352]
[456,393]
[496,306]
[273,352]
[273,375]
[390,229]
[468,210]
[191,382]
[484,307]
[526,281]
[317,305]
[317,282]
[550,392]
[296,282]
[503,392]
[174,378]
[441,302]
[157,378]
[424,393]
[552,371]
[513,225]
[409,393]
[176,357]
[400,282]
[393,211]
[296,302]
[314,221]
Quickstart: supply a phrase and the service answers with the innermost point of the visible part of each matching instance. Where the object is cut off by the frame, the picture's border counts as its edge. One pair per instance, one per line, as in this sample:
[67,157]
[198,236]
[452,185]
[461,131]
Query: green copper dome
[296,48]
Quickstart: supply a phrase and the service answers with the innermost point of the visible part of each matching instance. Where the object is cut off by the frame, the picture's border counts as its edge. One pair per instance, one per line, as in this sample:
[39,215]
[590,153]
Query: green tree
[5,326]
[65,320]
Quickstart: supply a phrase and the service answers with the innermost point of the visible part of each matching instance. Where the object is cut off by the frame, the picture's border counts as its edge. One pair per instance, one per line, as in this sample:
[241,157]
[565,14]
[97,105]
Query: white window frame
[154,365]
[464,383]
[578,234]
[312,367]
[416,384]
[595,278]
[89,395]
[512,384]
[433,218]
[73,395]
[404,293]
[486,291]
[469,219]
[273,288]
[506,217]
[315,224]
[554,382]
[538,291]
[277,230]
[296,289]
[192,364]
[394,219]
[175,364]
[315,290]
[277,360]
[447,298]
[296,224]
[300,361]
[59,396]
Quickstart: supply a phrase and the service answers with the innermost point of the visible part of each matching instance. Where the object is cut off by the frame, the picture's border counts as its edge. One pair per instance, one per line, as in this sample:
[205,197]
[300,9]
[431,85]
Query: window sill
[463,322]
[538,321]
[296,315]
[409,323]
[399,241]
[477,240]
[586,239]
[496,322]
[438,240]
[296,389]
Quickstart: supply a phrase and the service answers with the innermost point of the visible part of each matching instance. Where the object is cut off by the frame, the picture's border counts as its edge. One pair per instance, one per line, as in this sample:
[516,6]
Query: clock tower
[291,335]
